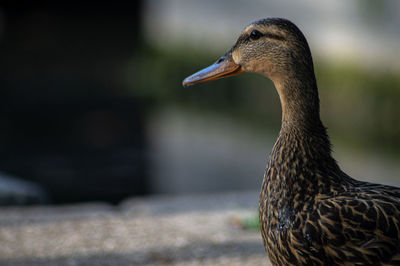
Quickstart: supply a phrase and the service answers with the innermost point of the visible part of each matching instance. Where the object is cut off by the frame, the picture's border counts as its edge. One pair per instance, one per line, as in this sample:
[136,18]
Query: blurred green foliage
[250,223]
[358,105]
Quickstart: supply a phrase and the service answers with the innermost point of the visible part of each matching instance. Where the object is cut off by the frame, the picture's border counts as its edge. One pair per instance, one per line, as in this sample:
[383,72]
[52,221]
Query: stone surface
[184,230]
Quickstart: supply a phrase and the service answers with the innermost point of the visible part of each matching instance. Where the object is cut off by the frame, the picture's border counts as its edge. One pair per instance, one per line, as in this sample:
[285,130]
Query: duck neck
[298,93]
[303,148]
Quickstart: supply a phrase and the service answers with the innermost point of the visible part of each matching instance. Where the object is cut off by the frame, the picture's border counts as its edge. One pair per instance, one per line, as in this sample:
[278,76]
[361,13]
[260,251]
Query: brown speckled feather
[311,213]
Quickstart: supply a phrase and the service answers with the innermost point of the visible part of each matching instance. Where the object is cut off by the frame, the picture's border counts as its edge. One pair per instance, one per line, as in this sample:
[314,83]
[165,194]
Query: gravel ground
[184,230]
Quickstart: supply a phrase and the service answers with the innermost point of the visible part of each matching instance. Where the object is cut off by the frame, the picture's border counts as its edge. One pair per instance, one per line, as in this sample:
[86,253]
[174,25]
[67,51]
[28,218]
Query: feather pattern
[311,213]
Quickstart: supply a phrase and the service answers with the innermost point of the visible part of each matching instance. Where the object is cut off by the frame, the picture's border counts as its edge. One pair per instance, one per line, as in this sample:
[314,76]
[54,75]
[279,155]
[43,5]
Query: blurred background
[92,107]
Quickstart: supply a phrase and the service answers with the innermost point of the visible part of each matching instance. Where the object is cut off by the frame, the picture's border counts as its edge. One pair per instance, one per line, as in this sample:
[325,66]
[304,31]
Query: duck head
[271,47]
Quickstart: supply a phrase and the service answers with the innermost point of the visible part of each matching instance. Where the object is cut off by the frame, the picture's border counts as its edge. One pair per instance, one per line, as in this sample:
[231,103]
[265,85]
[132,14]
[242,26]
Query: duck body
[311,213]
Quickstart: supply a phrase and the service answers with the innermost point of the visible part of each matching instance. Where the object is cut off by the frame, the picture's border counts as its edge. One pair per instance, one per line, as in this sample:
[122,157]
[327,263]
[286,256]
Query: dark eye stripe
[246,38]
[274,36]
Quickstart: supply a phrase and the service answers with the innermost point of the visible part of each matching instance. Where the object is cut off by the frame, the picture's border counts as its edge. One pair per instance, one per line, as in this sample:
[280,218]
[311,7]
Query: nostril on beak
[222,58]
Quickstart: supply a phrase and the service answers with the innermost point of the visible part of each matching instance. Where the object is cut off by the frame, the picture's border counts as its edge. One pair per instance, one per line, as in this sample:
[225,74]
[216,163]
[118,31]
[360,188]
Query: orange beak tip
[188,81]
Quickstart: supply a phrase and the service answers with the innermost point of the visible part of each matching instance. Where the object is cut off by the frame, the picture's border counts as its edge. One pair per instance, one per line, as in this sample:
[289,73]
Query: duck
[310,211]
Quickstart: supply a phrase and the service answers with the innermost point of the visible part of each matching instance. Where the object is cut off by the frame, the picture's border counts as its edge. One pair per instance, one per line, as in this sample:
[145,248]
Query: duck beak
[222,68]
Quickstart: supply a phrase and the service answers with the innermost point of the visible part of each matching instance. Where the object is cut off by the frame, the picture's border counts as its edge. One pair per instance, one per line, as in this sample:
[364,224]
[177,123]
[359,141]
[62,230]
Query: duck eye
[255,34]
